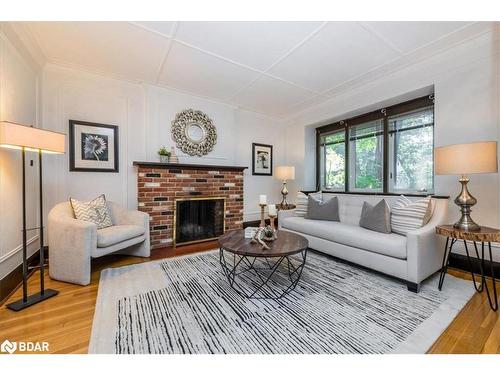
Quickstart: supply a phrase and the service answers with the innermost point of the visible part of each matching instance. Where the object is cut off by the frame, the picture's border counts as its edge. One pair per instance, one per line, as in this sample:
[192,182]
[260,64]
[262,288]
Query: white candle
[272,210]
[262,199]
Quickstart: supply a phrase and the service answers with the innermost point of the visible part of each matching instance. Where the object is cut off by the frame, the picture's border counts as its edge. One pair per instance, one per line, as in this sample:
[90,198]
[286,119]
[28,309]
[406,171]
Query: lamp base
[32,300]
[284,193]
[465,201]
[467,224]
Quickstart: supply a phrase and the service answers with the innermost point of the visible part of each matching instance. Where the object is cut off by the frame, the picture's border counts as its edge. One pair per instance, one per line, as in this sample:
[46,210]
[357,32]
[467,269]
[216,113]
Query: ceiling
[274,68]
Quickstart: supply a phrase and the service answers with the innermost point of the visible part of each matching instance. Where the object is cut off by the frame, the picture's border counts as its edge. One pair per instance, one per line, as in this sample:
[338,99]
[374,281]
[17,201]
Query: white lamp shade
[18,136]
[466,158]
[285,172]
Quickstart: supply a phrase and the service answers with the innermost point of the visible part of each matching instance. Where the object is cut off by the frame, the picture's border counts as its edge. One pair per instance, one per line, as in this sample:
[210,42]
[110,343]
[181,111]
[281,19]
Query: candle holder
[272,218]
[262,220]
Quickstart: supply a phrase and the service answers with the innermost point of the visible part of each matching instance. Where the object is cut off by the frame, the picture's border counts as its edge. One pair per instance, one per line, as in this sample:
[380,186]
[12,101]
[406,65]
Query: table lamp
[285,173]
[26,138]
[464,159]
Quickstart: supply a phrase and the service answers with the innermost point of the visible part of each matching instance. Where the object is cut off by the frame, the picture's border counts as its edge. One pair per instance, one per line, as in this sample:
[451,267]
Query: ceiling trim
[376,34]
[167,52]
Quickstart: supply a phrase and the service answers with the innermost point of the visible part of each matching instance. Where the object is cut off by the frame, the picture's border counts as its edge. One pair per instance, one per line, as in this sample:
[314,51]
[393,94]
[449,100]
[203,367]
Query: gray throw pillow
[376,218]
[328,210]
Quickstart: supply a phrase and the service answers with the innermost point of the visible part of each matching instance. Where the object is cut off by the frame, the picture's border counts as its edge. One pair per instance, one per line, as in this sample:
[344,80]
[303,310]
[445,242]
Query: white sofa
[72,242]
[411,258]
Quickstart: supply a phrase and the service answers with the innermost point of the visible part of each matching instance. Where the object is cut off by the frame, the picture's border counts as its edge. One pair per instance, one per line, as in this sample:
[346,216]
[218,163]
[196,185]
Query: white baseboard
[13,258]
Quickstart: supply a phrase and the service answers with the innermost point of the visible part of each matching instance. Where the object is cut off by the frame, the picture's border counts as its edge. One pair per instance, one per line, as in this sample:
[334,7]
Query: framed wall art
[93,147]
[262,159]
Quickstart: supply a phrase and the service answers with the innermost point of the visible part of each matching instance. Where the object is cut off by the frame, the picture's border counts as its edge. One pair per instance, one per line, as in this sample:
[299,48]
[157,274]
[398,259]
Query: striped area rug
[185,305]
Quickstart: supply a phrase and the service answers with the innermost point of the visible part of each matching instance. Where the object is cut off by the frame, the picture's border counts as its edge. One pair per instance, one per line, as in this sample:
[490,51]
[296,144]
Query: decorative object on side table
[262,159]
[194,132]
[483,235]
[285,173]
[29,138]
[93,147]
[464,159]
[164,154]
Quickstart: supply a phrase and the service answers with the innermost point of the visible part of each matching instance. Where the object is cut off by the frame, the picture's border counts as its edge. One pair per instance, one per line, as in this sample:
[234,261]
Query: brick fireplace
[161,185]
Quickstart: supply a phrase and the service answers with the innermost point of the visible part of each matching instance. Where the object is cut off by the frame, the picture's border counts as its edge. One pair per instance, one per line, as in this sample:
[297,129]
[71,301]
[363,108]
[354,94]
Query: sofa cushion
[389,244]
[376,218]
[328,210]
[117,233]
[302,202]
[407,216]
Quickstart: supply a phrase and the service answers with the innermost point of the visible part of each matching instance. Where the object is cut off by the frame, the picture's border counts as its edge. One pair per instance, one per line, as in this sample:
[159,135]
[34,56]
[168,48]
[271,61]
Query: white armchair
[72,242]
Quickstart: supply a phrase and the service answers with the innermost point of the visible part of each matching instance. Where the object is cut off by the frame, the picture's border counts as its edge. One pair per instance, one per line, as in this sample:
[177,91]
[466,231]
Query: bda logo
[8,347]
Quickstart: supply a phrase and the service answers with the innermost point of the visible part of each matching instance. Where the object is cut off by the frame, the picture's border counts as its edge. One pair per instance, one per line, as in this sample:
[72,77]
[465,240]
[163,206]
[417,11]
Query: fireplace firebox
[198,219]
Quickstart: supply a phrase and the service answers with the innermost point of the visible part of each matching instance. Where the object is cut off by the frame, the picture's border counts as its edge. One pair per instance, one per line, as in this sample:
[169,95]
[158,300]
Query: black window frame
[379,114]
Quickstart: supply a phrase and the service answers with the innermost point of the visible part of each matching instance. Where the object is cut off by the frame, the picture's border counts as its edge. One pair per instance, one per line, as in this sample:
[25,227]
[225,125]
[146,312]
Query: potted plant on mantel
[164,154]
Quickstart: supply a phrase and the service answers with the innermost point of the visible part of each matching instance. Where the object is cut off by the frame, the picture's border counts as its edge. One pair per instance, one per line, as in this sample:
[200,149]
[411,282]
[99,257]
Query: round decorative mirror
[193,132]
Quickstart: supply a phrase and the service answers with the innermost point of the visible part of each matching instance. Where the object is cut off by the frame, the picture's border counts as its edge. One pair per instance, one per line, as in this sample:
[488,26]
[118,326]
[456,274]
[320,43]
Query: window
[385,151]
[366,156]
[411,151]
[332,148]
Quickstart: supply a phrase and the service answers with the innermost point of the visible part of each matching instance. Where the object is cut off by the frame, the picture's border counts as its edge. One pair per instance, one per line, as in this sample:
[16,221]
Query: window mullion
[385,162]
[347,160]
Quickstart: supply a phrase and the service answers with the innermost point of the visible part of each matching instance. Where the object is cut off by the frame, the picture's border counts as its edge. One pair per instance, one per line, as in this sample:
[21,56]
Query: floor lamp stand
[44,294]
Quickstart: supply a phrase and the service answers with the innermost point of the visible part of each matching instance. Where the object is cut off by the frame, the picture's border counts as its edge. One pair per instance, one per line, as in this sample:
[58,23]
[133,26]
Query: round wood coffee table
[263,274]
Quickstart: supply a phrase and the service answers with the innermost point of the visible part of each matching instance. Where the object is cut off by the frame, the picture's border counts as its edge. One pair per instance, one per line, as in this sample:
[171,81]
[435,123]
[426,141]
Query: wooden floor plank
[65,321]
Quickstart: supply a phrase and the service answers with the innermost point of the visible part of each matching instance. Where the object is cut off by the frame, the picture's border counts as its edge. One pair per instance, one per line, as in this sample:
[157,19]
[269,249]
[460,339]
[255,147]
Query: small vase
[164,158]
[173,157]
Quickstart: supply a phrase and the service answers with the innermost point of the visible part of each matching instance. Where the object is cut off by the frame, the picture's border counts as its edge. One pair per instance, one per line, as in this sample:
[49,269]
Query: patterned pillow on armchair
[94,211]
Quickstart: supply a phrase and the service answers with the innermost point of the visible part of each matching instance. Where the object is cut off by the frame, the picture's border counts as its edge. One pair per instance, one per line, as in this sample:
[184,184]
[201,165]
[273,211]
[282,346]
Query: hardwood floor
[65,321]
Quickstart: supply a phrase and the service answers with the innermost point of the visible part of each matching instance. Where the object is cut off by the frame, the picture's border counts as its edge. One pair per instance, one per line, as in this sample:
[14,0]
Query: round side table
[484,235]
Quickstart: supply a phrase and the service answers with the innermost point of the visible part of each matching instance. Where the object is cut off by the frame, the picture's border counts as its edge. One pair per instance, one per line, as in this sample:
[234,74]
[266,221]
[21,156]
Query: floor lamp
[26,138]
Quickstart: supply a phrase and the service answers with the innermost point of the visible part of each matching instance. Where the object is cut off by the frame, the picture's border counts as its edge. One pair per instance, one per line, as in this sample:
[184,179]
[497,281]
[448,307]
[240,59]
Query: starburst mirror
[193,132]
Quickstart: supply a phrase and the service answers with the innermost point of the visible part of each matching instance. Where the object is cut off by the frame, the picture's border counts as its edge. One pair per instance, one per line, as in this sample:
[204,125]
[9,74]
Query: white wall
[144,114]
[465,82]
[19,79]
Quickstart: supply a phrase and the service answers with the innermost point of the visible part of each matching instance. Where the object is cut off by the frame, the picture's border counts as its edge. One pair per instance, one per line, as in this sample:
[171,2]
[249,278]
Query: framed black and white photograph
[262,159]
[93,147]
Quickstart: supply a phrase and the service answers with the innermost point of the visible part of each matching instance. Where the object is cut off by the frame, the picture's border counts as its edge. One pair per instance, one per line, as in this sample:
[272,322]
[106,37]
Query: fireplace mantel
[152,164]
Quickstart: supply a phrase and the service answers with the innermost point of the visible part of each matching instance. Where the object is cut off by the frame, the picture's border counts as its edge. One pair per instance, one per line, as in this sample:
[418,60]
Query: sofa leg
[413,287]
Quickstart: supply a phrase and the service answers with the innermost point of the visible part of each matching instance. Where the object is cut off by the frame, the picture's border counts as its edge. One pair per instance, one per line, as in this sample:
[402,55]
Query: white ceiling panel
[339,52]
[115,47]
[408,36]
[191,70]
[271,96]
[163,27]
[255,44]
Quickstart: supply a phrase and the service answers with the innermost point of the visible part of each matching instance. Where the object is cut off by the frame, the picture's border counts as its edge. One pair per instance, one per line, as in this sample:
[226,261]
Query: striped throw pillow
[407,216]
[302,202]
[94,211]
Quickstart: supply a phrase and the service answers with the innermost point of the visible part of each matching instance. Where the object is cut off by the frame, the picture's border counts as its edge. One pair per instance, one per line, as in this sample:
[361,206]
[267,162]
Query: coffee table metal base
[262,277]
